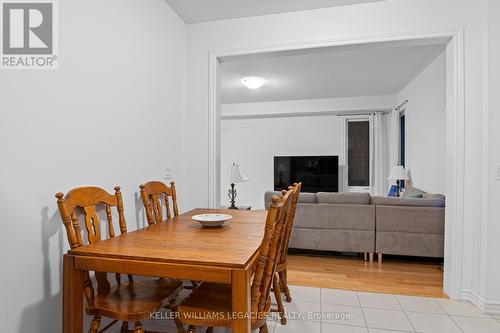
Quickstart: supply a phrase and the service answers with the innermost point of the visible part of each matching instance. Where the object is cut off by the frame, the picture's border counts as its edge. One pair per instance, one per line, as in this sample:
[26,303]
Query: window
[358,153]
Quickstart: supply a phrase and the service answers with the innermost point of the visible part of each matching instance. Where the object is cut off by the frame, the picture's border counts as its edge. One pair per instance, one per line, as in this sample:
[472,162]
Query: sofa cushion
[410,244]
[330,216]
[303,197]
[307,197]
[407,219]
[434,196]
[343,198]
[413,192]
[332,240]
[413,196]
[390,201]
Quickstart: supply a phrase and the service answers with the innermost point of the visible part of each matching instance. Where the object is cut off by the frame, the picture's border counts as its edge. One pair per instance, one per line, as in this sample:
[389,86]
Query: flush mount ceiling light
[253,82]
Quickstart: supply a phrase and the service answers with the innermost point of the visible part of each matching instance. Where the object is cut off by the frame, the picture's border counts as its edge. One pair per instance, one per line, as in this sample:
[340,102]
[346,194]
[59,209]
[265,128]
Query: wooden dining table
[177,248]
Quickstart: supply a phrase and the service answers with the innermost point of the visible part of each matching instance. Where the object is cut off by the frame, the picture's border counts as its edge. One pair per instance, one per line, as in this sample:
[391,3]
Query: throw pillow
[392,191]
[413,196]
[412,192]
[434,196]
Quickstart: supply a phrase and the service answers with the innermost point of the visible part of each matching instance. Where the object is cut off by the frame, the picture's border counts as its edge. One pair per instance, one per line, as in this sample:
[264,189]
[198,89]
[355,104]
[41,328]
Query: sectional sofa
[358,222]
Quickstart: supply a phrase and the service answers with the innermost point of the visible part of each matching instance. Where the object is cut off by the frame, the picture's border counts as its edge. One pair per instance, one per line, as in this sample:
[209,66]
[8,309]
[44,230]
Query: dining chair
[124,301]
[152,193]
[280,283]
[210,304]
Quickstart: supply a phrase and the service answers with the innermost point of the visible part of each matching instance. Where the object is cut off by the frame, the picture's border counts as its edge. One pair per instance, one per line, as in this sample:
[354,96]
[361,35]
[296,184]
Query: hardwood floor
[410,276]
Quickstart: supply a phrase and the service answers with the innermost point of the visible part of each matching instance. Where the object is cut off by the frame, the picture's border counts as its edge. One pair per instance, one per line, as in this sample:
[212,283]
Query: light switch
[497,172]
[168,172]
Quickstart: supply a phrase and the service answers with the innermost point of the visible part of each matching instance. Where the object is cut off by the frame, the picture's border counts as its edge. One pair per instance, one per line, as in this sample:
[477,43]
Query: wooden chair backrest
[152,193]
[289,222]
[268,251]
[88,199]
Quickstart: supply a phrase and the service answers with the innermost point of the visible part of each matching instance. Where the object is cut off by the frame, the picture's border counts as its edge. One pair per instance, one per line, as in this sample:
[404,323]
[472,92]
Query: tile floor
[318,310]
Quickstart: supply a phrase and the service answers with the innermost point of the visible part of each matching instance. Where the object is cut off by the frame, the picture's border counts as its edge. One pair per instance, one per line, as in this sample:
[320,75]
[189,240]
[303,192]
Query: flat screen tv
[317,173]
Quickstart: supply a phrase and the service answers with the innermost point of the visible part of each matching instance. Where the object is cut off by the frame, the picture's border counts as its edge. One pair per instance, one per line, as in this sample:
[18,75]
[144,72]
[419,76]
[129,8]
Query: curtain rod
[367,113]
[301,114]
[400,105]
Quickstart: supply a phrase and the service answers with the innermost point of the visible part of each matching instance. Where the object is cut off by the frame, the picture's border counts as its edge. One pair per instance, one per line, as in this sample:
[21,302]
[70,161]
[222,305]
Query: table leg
[72,310]
[240,282]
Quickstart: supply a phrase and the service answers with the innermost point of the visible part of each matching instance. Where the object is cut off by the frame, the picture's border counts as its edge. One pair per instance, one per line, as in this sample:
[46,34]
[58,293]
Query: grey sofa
[343,222]
[413,227]
[357,222]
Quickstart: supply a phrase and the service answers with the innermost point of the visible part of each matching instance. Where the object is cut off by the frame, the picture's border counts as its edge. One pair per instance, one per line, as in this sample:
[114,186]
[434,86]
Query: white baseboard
[484,305]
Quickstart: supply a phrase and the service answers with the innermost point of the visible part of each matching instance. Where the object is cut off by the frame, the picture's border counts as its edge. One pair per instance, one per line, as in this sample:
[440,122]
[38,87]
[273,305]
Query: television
[317,173]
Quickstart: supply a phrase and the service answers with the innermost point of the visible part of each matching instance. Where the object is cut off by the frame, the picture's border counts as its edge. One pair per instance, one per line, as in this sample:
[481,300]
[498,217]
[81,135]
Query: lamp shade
[398,173]
[237,176]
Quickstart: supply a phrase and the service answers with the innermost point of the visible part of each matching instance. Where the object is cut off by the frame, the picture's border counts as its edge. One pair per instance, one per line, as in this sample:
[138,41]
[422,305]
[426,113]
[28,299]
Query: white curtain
[394,140]
[379,155]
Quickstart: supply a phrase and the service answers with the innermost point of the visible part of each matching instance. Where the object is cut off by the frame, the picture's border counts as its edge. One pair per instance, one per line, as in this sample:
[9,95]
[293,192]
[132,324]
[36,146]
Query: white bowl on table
[212,220]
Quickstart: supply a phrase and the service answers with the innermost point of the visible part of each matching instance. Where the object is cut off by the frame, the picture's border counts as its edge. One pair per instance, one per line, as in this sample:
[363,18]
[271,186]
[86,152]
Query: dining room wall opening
[453,44]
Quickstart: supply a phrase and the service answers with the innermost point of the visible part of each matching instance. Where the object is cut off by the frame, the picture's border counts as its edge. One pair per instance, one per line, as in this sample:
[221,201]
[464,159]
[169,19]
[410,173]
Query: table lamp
[237,176]
[398,174]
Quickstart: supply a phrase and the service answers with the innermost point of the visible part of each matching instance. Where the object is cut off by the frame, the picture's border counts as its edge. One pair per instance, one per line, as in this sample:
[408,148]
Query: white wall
[344,104]
[392,17]
[425,117]
[491,244]
[112,114]
[120,88]
[253,143]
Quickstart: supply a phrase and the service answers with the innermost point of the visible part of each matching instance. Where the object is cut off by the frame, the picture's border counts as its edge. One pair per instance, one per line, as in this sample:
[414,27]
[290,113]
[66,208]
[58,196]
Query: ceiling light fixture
[253,82]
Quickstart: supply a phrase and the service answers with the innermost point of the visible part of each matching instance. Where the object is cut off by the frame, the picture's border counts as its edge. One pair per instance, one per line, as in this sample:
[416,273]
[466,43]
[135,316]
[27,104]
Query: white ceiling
[348,71]
[196,11]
